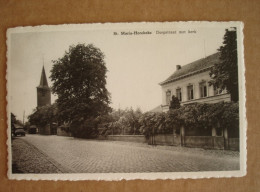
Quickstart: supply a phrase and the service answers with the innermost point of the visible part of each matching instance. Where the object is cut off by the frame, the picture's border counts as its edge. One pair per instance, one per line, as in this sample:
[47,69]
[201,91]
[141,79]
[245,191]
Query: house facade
[190,84]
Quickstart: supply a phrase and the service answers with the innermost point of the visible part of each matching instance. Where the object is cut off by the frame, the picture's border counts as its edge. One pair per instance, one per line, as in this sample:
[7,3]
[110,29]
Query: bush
[85,129]
[200,118]
[123,122]
[43,115]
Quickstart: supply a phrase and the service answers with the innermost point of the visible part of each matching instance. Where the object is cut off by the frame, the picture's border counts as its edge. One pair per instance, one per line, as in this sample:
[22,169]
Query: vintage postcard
[126,101]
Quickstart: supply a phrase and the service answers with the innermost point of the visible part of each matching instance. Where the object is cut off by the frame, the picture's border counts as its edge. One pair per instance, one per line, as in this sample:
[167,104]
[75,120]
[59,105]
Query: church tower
[43,91]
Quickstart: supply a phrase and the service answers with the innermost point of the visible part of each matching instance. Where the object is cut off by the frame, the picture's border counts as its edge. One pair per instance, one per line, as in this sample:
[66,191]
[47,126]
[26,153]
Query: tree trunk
[182,136]
[226,144]
[173,135]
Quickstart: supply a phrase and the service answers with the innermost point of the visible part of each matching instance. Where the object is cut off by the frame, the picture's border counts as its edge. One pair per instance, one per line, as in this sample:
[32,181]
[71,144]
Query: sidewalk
[28,159]
[218,153]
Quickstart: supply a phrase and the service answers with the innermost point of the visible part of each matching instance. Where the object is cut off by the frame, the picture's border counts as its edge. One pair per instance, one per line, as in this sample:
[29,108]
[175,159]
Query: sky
[136,63]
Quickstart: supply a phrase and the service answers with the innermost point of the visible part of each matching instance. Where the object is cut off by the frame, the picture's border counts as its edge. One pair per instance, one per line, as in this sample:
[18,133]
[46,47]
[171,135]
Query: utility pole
[23,116]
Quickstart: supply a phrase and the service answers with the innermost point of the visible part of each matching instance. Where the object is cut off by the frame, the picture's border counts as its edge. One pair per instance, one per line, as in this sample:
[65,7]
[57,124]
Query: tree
[13,121]
[13,118]
[175,103]
[79,80]
[132,120]
[225,73]
[147,122]
[43,115]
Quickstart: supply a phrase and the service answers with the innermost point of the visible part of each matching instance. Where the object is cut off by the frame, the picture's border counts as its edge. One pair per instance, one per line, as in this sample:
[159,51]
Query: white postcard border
[150,175]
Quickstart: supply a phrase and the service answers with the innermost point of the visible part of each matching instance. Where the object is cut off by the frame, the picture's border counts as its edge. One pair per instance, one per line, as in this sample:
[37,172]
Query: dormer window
[203,89]
[168,97]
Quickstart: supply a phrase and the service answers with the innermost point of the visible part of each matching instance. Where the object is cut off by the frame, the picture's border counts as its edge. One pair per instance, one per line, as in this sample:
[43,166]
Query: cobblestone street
[55,154]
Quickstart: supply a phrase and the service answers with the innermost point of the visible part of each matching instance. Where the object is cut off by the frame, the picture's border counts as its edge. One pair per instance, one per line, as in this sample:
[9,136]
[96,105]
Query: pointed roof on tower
[43,81]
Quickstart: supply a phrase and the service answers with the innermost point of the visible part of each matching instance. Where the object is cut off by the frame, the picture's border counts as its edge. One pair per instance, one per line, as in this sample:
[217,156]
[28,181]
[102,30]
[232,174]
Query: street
[57,154]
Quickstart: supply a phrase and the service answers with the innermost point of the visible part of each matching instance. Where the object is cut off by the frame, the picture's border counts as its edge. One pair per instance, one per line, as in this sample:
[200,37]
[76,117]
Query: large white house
[190,84]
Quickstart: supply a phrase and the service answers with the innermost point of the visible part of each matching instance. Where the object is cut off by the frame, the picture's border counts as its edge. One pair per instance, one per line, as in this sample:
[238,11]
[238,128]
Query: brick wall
[166,139]
[204,142]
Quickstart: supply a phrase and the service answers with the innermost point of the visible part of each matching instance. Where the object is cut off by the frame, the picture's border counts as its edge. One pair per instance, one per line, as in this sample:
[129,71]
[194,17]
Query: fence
[130,138]
[207,142]
[204,142]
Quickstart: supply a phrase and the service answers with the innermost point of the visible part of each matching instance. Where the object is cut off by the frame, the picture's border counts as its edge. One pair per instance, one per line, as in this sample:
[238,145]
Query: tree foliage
[124,122]
[79,80]
[199,117]
[173,120]
[84,128]
[225,73]
[175,103]
[14,120]
[44,115]
[149,123]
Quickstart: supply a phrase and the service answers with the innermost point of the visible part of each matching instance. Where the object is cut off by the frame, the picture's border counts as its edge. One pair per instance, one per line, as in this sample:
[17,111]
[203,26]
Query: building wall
[61,132]
[194,80]
[166,139]
[45,130]
[43,97]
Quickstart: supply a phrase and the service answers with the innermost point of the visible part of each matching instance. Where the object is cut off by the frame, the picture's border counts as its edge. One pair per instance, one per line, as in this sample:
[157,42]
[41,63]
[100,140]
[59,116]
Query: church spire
[43,81]
[43,91]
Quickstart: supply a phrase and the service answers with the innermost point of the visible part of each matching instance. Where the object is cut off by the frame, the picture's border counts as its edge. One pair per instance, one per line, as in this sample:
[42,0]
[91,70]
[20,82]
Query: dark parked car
[20,132]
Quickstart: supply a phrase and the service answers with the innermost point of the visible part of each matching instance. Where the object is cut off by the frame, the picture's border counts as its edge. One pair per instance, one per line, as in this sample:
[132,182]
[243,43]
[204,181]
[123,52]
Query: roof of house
[157,109]
[193,68]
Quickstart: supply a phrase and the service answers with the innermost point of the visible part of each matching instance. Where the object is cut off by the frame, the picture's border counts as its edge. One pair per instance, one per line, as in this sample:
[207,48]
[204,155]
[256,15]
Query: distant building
[157,109]
[43,99]
[43,91]
[190,84]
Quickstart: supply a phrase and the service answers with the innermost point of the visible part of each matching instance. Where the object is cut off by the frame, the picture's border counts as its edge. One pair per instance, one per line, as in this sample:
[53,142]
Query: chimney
[178,67]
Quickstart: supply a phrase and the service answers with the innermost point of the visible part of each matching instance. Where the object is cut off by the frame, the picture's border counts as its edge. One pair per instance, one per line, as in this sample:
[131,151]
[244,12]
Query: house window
[168,97]
[190,92]
[203,89]
[178,93]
